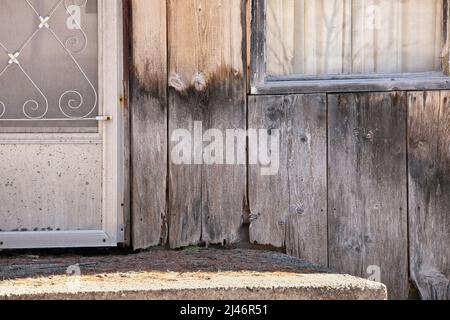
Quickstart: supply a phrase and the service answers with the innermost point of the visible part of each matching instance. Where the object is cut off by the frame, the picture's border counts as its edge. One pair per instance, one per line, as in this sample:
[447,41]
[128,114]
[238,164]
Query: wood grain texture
[367,216]
[289,209]
[207,84]
[430,81]
[126,116]
[445,38]
[149,123]
[429,189]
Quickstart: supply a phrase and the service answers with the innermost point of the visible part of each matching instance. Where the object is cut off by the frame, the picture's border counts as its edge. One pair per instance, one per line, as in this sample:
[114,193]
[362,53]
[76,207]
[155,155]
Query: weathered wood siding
[204,80]
[363,180]
[149,123]
[367,188]
[429,192]
[289,209]
[207,85]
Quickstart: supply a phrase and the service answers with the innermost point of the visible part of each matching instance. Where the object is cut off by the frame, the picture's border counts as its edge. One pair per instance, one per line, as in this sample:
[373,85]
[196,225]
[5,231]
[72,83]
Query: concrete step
[190,274]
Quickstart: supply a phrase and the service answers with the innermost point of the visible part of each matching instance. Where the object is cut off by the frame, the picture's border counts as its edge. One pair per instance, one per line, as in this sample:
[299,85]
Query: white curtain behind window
[331,37]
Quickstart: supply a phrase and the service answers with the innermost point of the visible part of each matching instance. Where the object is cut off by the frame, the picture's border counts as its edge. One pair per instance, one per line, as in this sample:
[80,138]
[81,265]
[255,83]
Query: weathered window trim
[261,83]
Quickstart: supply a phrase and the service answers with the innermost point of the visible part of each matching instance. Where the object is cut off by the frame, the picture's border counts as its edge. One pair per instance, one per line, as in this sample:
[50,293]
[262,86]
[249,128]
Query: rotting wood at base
[429,187]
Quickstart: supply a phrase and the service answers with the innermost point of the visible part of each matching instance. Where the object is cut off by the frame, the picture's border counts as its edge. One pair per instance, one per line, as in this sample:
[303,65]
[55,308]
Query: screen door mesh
[48,64]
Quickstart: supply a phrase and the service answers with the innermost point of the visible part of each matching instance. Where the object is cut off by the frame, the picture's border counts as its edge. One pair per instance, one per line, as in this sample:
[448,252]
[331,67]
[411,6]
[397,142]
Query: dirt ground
[15,265]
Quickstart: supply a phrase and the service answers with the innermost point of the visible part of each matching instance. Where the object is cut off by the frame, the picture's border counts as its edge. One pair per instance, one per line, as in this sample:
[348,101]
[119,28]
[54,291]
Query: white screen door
[60,123]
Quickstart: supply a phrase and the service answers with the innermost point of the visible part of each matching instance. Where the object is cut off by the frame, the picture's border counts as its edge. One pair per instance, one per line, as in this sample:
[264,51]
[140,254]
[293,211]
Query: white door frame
[110,136]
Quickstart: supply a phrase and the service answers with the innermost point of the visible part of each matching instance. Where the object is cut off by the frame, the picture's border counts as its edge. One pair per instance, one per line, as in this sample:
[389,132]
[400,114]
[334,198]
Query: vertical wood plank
[368,187]
[429,190]
[289,208]
[149,123]
[206,84]
[126,115]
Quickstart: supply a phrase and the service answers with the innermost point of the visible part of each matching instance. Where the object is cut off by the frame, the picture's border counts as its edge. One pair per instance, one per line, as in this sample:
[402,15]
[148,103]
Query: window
[312,40]
[48,65]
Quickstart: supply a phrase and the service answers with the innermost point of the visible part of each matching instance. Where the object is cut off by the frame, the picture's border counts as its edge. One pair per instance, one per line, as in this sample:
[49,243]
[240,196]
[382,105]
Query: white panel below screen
[54,187]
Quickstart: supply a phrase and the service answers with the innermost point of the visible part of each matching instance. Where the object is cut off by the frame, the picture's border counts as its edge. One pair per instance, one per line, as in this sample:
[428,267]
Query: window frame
[261,83]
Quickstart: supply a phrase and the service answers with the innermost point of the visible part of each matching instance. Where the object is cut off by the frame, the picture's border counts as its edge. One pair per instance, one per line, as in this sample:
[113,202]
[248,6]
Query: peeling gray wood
[368,187]
[429,190]
[207,84]
[289,209]
[149,123]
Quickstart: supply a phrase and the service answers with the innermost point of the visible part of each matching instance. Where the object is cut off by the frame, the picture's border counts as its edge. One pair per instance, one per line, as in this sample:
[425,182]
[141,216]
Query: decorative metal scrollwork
[69,101]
